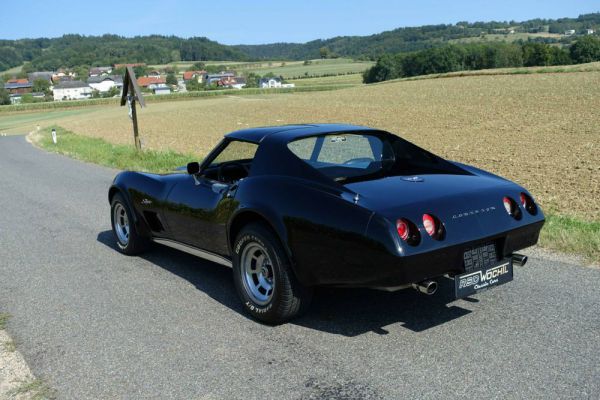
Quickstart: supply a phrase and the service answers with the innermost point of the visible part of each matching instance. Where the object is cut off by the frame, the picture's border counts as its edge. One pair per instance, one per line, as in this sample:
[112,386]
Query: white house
[570,32]
[589,31]
[160,89]
[72,90]
[269,83]
[105,83]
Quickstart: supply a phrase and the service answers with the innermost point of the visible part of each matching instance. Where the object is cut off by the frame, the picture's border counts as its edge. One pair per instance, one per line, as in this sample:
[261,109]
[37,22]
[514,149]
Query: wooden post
[136,134]
[131,95]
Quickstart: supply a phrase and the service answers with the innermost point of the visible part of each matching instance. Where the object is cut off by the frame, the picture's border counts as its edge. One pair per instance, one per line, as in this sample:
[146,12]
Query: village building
[194,75]
[269,83]
[18,86]
[72,90]
[45,75]
[145,81]
[104,83]
[99,71]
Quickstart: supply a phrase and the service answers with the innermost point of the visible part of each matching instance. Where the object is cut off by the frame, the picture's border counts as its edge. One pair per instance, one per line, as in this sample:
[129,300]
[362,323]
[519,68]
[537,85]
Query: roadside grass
[99,151]
[35,389]
[561,233]
[572,235]
[3,320]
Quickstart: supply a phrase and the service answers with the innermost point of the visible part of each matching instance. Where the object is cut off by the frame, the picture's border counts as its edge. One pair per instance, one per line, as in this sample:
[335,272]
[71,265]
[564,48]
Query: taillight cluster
[409,232]
[513,209]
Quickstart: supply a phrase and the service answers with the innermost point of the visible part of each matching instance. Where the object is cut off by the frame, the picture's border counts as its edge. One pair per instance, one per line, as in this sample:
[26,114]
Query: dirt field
[541,130]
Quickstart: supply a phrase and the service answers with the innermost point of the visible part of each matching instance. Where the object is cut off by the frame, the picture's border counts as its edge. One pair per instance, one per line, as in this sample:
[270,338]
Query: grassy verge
[571,235]
[100,152]
[561,233]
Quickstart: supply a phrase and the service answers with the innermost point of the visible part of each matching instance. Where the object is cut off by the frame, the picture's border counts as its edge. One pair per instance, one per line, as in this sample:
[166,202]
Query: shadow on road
[347,312]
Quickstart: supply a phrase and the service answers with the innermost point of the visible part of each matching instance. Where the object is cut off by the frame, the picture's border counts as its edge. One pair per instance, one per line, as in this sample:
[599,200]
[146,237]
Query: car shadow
[347,312]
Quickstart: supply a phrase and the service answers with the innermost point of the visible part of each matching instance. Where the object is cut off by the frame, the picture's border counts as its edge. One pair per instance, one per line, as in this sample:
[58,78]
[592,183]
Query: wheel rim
[257,273]
[121,222]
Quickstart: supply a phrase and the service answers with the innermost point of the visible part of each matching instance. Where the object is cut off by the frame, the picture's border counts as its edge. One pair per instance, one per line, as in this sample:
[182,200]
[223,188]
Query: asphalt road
[99,325]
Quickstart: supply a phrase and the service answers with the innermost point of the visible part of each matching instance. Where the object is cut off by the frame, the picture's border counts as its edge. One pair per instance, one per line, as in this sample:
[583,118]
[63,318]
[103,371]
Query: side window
[236,151]
[303,148]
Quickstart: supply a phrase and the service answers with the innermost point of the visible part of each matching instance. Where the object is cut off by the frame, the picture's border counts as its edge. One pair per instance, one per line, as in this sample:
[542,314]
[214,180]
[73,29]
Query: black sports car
[293,207]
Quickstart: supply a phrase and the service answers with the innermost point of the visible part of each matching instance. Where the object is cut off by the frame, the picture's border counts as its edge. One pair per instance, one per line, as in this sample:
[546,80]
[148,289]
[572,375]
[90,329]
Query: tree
[386,68]
[252,80]
[197,66]
[4,97]
[175,55]
[586,49]
[324,52]
[41,85]
[536,54]
[82,72]
[171,79]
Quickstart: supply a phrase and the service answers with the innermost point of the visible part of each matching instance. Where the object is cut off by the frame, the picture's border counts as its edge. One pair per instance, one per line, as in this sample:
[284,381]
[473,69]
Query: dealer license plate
[482,279]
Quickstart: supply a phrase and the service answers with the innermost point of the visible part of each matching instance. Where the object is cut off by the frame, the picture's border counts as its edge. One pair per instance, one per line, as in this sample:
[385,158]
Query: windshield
[345,156]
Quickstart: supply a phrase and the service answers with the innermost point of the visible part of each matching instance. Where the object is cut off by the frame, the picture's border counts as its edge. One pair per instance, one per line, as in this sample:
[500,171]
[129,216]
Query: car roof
[292,132]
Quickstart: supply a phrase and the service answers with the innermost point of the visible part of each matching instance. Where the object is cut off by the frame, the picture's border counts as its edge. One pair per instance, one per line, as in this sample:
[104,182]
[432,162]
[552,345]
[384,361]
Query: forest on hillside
[73,50]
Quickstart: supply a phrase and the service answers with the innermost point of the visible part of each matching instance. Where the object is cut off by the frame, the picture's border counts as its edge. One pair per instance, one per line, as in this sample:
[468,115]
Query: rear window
[344,156]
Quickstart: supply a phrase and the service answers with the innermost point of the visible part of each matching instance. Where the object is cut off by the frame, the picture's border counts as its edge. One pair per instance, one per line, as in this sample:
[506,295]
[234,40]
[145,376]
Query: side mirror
[193,168]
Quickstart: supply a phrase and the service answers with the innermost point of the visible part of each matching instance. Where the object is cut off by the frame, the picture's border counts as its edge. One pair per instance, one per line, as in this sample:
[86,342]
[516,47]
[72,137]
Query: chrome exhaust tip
[519,259]
[426,287]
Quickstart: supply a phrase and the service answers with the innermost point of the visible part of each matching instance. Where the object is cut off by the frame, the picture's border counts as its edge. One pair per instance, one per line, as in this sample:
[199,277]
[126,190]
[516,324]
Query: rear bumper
[382,269]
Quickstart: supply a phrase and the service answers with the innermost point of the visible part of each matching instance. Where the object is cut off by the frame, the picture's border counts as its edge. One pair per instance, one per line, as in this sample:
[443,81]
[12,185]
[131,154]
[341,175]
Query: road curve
[95,324]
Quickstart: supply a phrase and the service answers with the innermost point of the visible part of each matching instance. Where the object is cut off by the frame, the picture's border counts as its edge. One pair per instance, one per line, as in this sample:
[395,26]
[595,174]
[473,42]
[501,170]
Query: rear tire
[264,278]
[128,240]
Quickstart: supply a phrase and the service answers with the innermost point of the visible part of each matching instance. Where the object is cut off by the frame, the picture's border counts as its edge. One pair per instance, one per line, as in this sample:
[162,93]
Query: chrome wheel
[121,223]
[257,273]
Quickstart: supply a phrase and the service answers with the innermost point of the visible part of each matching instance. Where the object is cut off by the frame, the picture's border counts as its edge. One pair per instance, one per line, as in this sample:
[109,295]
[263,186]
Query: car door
[197,212]
[198,208]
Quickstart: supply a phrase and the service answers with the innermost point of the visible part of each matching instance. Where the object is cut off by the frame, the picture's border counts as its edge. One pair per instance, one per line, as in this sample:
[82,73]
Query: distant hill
[77,50]
[418,38]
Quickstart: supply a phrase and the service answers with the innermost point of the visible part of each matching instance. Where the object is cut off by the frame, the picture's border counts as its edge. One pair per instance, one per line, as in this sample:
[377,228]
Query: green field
[287,69]
[316,68]
[512,37]
[25,122]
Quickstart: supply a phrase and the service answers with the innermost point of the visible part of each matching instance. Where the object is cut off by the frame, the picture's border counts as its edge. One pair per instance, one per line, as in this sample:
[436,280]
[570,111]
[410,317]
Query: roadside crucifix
[131,95]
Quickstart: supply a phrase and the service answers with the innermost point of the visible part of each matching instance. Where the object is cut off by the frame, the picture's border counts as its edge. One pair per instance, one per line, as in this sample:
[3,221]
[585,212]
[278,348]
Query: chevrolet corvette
[293,207]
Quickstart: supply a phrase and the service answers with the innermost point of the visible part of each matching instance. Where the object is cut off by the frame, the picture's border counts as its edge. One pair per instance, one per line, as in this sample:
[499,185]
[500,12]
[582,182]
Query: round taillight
[429,224]
[403,229]
[528,203]
[508,205]
[512,208]
[524,200]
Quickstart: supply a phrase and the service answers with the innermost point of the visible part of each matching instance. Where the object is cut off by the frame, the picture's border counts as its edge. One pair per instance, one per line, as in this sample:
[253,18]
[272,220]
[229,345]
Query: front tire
[264,278]
[128,240]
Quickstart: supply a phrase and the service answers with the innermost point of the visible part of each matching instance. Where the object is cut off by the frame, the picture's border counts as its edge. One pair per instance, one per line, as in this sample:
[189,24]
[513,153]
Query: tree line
[457,57]
[72,50]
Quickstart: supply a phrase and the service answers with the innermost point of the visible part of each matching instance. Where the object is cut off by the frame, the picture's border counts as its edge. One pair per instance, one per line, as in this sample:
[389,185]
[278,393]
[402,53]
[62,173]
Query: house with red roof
[145,81]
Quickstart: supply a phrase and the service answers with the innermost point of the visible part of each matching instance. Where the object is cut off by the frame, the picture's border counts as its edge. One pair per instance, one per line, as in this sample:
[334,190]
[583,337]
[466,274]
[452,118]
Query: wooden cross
[132,94]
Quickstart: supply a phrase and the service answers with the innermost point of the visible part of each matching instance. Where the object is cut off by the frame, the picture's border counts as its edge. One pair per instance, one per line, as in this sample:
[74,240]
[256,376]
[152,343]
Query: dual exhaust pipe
[429,287]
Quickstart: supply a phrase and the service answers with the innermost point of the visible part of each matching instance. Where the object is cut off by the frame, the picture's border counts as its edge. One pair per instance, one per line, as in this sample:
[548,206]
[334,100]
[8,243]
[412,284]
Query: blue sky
[252,22]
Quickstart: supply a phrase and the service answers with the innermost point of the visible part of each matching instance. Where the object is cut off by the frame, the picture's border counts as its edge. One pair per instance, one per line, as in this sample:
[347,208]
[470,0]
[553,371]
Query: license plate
[476,281]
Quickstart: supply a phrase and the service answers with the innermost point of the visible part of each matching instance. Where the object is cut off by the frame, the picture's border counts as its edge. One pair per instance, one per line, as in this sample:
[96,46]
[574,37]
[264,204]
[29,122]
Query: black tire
[134,243]
[289,298]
